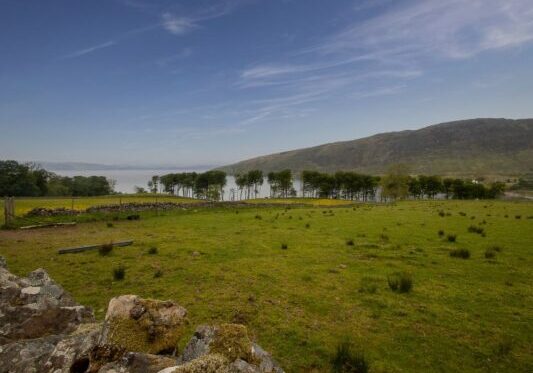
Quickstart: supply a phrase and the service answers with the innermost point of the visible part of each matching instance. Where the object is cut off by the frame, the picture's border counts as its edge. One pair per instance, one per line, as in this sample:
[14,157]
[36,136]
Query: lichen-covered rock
[43,330]
[212,363]
[232,342]
[143,325]
[36,306]
[28,356]
[136,362]
[71,354]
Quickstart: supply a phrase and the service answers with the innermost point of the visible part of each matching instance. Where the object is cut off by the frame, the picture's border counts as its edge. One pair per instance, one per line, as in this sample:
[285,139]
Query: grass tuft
[105,249]
[460,253]
[452,237]
[476,229]
[119,273]
[346,360]
[400,282]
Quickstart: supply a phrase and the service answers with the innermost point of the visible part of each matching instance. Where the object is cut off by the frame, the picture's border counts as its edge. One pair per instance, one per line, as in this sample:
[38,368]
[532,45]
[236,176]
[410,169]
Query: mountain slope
[467,147]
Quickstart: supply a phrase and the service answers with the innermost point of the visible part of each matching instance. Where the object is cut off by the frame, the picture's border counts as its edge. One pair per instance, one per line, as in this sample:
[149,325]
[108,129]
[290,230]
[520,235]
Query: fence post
[9,210]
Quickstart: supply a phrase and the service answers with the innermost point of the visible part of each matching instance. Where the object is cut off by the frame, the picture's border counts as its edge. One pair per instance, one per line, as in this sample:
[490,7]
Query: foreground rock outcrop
[42,329]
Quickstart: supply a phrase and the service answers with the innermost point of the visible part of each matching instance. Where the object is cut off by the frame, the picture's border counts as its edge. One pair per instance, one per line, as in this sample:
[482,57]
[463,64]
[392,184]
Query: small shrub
[348,361]
[119,273]
[518,216]
[400,282]
[350,243]
[442,213]
[384,237]
[308,225]
[441,233]
[460,253]
[462,213]
[106,249]
[133,217]
[109,225]
[475,229]
[452,237]
[258,217]
[284,246]
[158,273]
[152,251]
[490,254]
[496,248]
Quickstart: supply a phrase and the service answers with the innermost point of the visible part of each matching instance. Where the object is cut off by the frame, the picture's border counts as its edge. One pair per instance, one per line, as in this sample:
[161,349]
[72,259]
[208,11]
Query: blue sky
[189,82]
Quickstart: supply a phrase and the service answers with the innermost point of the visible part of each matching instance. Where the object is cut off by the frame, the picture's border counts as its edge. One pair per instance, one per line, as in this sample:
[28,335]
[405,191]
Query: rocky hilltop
[43,329]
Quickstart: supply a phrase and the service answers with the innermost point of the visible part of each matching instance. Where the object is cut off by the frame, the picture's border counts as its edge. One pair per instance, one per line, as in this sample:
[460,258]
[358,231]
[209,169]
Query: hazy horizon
[151,83]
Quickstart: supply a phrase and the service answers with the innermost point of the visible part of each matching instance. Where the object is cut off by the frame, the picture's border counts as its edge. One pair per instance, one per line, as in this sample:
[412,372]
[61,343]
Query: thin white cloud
[177,25]
[451,28]
[92,49]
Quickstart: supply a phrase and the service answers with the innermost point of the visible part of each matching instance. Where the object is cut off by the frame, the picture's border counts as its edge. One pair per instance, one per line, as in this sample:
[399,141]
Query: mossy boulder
[212,363]
[143,325]
[232,342]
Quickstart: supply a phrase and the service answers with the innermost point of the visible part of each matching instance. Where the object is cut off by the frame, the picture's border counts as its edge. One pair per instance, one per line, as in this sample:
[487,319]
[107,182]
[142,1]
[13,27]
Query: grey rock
[232,342]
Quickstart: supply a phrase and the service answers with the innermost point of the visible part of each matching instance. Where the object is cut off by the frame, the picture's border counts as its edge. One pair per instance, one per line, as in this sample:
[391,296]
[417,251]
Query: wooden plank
[48,225]
[80,249]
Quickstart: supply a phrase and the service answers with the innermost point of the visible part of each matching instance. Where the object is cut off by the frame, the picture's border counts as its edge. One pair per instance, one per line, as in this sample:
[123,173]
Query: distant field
[467,315]
[23,205]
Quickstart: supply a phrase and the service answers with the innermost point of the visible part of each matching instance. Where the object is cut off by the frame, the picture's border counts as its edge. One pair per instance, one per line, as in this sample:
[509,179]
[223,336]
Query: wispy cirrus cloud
[177,25]
[379,56]
[88,50]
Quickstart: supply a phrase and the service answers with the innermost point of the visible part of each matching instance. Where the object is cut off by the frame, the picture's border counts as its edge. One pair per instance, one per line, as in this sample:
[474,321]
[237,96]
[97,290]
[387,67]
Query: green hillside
[468,147]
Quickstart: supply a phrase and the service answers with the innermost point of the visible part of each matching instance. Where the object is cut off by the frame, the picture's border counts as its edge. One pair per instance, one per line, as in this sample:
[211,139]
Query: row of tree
[342,185]
[206,185]
[396,184]
[30,180]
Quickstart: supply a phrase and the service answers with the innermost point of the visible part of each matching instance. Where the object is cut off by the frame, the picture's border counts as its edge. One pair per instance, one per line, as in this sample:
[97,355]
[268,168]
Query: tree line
[395,184]
[206,185]
[398,184]
[30,180]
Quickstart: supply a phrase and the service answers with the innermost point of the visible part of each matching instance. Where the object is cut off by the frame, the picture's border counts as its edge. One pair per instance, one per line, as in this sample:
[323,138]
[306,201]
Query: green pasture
[330,283]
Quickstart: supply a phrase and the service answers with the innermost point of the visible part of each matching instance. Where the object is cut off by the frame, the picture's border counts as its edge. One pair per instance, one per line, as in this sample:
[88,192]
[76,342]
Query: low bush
[452,237]
[441,233]
[158,273]
[460,253]
[258,217]
[284,246]
[400,282]
[152,251]
[346,360]
[490,254]
[350,243]
[106,249]
[475,229]
[119,273]
[109,225]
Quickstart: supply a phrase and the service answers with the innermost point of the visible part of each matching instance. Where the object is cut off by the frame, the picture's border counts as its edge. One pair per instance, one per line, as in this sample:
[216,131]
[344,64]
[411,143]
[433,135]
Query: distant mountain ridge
[468,147]
[83,166]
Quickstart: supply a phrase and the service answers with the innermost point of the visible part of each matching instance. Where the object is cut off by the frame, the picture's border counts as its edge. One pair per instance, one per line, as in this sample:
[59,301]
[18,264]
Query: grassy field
[228,265]
[23,205]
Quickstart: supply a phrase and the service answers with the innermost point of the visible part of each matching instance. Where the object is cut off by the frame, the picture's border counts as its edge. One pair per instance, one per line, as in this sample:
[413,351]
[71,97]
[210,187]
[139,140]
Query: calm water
[128,179]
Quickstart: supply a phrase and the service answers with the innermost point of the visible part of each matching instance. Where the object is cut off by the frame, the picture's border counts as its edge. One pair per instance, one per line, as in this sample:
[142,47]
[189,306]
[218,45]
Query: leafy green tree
[395,184]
